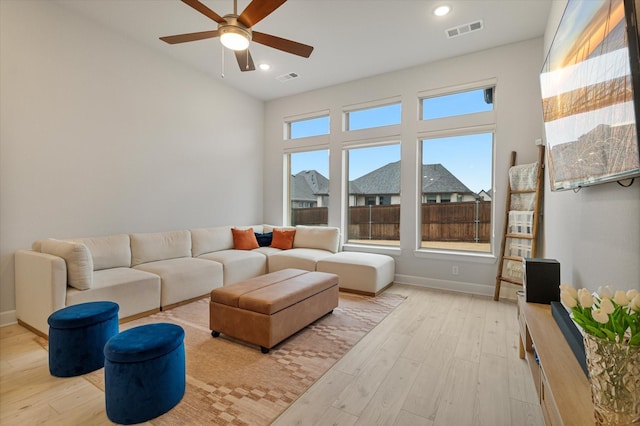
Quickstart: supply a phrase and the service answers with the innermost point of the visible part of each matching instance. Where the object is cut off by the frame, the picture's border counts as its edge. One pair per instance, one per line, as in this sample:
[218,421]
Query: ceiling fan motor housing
[233,27]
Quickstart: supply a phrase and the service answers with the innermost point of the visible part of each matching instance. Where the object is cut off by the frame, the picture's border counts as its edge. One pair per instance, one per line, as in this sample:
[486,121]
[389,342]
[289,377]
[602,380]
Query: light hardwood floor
[438,359]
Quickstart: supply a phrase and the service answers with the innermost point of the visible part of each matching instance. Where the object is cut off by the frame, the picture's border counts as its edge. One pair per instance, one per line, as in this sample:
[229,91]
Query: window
[473,101]
[456,168]
[309,187]
[373,117]
[309,127]
[374,194]
[456,138]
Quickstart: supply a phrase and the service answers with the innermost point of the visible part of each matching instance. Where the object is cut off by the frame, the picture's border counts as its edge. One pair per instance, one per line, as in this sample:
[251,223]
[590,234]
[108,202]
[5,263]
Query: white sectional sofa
[147,272]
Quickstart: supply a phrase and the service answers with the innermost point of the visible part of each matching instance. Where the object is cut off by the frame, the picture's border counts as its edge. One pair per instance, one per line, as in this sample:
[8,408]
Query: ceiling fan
[235,31]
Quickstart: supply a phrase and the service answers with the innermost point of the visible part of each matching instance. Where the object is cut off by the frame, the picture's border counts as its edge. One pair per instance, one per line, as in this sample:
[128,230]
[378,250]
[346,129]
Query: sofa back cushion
[77,258]
[151,247]
[207,240]
[317,237]
[270,228]
[113,251]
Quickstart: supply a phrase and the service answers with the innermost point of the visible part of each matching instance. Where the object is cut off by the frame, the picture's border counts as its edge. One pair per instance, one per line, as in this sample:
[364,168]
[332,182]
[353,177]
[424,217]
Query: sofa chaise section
[310,244]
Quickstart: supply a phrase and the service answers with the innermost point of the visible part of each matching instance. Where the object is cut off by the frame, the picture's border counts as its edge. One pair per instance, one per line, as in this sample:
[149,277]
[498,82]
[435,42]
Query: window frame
[459,125]
[346,113]
[287,173]
[286,125]
[490,128]
[346,148]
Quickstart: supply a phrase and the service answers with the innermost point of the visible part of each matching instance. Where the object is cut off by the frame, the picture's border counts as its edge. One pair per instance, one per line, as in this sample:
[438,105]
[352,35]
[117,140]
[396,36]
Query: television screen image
[590,85]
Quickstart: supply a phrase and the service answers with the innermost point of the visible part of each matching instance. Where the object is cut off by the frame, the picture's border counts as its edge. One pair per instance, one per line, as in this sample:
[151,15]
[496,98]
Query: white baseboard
[8,318]
[458,286]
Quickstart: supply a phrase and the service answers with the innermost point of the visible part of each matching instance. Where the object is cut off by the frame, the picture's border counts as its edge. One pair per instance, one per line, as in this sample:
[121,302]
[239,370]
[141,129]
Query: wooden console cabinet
[563,388]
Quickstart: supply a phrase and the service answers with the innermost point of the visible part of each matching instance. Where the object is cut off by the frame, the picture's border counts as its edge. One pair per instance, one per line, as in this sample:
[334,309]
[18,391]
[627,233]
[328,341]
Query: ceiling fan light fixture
[234,38]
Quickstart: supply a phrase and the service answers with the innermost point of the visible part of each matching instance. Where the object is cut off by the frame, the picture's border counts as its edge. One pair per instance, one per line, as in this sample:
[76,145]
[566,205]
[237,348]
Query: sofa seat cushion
[184,278]
[299,258]
[267,251]
[238,265]
[134,291]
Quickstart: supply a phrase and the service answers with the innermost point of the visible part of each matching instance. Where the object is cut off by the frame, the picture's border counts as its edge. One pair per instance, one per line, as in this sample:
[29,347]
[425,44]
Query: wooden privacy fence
[462,222]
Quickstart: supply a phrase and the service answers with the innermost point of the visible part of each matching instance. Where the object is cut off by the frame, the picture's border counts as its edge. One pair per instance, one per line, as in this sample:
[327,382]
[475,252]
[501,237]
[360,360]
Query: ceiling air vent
[287,77]
[464,29]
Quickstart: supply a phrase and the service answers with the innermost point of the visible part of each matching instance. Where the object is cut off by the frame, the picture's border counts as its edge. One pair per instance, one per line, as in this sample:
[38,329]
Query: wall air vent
[287,77]
[464,29]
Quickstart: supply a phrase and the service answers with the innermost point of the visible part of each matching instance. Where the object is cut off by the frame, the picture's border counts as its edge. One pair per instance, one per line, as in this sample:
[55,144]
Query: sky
[467,157]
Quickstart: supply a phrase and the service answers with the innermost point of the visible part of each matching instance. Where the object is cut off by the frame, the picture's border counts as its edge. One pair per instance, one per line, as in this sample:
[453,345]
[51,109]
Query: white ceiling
[352,38]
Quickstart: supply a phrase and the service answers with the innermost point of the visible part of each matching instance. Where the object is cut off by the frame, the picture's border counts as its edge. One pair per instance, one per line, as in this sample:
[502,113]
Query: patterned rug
[233,383]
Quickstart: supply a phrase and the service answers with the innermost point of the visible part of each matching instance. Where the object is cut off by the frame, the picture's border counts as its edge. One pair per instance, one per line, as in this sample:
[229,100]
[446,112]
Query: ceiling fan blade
[245,61]
[205,10]
[257,10]
[282,44]
[183,38]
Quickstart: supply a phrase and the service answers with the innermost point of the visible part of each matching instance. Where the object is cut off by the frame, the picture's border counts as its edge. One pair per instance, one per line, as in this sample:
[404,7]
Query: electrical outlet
[455,270]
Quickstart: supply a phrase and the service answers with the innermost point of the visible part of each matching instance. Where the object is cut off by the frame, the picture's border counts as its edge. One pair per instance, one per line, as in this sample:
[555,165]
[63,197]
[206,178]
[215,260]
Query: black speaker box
[541,280]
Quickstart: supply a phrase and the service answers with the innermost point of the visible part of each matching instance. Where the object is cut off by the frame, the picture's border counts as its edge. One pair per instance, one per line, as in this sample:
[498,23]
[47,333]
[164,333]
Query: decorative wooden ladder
[533,236]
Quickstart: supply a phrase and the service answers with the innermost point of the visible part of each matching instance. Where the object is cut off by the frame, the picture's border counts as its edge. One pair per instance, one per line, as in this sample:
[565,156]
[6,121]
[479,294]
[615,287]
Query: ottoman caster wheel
[264,350]
[215,333]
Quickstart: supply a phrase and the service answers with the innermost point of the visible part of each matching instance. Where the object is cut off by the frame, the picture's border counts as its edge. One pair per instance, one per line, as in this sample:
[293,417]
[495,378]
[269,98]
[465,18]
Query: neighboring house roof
[438,180]
[307,184]
[384,180]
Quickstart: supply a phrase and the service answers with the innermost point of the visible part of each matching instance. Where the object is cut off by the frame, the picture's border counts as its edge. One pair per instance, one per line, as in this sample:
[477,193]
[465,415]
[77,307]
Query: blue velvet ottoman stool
[77,335]
[144,372]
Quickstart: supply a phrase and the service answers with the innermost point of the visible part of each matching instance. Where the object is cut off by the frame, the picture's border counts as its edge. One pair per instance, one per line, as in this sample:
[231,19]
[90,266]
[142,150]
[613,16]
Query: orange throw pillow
[244,239]
[283,238]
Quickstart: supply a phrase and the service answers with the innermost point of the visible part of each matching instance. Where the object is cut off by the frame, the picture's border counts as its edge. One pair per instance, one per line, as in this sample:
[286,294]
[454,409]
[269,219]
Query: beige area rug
[232,383]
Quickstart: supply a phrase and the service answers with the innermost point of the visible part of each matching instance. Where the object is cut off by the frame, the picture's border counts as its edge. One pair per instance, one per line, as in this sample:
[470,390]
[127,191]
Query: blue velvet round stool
[77,335]
[144,372]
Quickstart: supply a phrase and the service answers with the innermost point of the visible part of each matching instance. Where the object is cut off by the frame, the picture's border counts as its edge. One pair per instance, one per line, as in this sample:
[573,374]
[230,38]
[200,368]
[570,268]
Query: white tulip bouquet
[610,315]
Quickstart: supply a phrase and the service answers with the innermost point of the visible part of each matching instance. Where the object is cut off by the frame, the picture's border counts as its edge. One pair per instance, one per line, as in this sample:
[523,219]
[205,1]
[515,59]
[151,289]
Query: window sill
[487,258]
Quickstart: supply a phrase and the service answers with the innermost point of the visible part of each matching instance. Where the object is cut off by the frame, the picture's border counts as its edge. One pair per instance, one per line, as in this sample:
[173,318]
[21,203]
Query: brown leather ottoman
[267,309]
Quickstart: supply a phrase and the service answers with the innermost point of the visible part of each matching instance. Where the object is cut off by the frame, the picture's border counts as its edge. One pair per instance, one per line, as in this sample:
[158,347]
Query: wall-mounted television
[590,85]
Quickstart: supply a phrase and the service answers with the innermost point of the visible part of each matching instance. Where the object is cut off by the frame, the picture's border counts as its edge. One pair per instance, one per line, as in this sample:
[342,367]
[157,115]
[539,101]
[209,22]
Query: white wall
[100,135]
[595,233]
[518,109]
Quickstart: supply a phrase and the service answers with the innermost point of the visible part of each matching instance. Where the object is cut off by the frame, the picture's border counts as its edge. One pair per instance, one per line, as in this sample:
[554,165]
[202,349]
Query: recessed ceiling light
[441,10]
[265,67]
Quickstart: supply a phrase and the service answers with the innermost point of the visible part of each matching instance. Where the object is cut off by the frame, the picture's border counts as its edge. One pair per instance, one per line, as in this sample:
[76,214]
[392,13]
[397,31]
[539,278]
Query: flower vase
[614,375]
